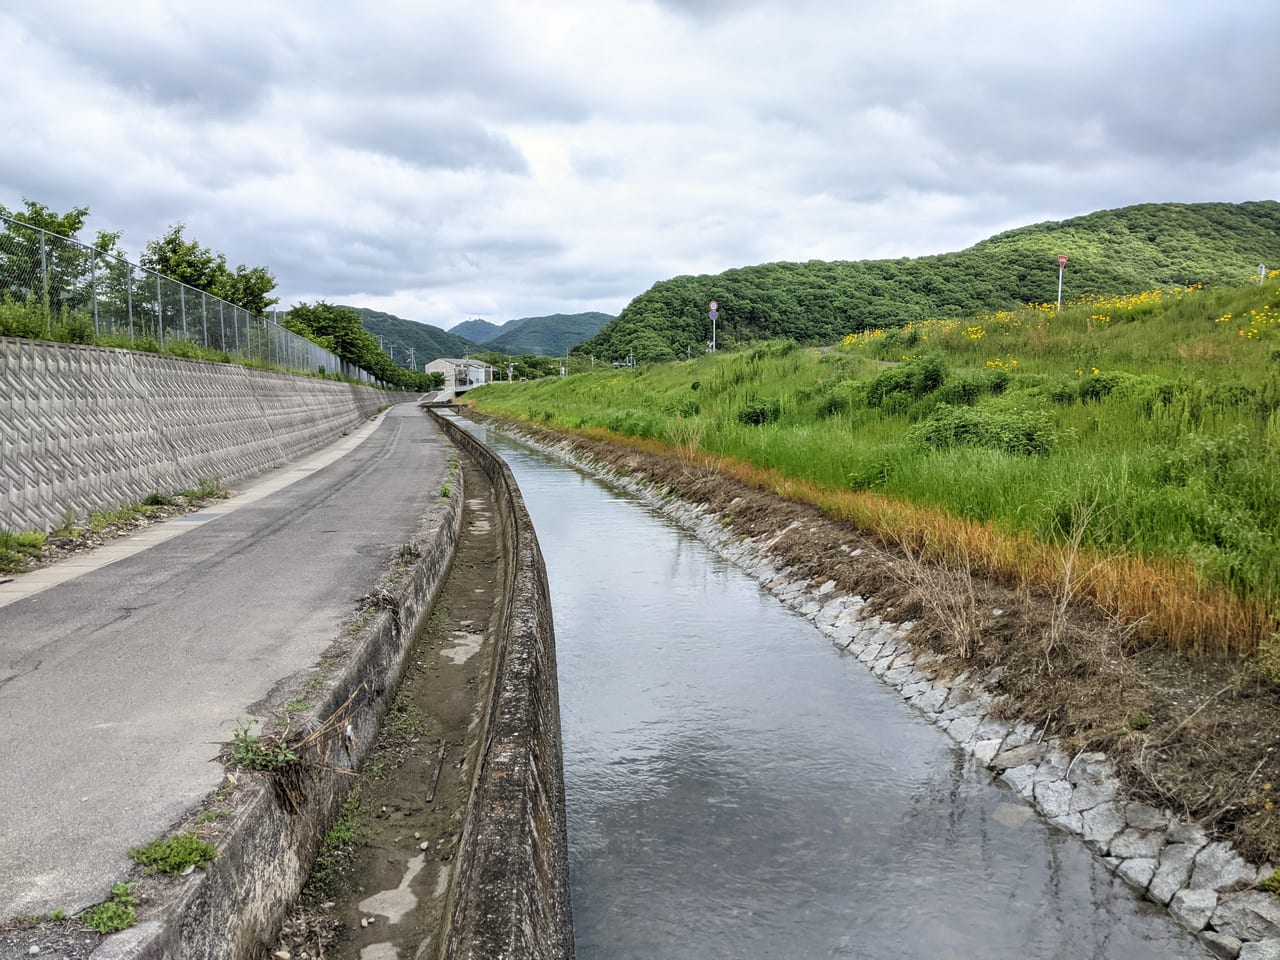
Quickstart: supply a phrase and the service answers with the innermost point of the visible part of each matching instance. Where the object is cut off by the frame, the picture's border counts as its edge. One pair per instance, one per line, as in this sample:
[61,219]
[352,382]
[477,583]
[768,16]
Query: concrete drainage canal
[736,786]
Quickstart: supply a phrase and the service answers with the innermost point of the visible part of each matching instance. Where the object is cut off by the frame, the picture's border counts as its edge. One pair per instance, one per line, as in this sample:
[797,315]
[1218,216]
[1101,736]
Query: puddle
[465,646]
[394,904]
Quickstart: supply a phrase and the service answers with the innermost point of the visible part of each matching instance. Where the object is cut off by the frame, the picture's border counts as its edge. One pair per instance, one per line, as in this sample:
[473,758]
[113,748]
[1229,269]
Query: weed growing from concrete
[174,855]
[255,752]
[115,914]
[17,549]
[296,704]
[445,492]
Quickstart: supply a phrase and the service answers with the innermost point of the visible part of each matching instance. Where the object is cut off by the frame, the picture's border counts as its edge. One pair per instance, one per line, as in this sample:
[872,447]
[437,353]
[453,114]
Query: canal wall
[510,890]
[86,429]
[1207,887]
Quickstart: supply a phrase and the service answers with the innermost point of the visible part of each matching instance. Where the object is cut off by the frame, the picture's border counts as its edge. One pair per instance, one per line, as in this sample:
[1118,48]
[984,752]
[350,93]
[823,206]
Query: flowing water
[739,788]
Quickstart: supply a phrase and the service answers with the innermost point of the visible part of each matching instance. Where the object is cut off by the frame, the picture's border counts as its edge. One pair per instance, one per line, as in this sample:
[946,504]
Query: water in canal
[738,788]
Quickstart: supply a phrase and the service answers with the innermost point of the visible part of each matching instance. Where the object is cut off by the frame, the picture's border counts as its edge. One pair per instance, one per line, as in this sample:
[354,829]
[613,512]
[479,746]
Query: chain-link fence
[52,287]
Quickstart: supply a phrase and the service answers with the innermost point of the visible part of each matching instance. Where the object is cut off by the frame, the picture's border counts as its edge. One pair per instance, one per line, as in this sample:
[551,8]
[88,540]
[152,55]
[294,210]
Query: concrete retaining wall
[510,895]
[91,428]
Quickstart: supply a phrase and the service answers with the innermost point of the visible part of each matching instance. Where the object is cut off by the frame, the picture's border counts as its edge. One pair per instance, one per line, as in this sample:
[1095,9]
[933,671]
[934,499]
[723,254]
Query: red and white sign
[1062,261]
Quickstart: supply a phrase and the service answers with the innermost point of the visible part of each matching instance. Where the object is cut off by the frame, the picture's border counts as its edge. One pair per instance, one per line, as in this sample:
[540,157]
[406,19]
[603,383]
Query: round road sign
[1062,261]
[713,306]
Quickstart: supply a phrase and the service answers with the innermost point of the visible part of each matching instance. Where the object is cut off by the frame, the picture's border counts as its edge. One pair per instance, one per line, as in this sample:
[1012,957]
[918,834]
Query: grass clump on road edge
[174,855]
[115,914]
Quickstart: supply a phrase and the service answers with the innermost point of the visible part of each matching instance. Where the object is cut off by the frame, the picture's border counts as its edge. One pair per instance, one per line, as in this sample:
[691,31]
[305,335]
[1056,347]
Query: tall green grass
[1159,413]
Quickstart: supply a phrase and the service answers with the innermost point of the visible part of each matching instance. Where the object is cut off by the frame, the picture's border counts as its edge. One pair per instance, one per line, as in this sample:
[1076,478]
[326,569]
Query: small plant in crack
[260,752]
[115,914]
[174,855]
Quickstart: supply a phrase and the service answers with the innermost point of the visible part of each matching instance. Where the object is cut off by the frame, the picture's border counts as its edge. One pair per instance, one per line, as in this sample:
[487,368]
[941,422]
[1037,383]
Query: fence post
[93,284]
[204,317]
[159,312]
[182,306]
[222,324]
[44,285]
[128,297]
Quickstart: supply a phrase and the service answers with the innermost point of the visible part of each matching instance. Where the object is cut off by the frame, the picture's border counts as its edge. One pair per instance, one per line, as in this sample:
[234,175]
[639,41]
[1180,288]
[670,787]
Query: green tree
[58,275]
[187,261]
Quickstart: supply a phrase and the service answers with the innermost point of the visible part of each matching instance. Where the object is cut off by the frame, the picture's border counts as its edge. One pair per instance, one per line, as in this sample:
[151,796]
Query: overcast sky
[484,159]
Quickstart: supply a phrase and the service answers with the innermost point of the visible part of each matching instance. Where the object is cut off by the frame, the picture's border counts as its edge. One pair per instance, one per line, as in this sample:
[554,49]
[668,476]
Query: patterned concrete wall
[89,428]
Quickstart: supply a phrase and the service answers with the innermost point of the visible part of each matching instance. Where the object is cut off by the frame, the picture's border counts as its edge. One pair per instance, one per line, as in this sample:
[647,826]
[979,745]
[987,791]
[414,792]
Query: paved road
[115,686]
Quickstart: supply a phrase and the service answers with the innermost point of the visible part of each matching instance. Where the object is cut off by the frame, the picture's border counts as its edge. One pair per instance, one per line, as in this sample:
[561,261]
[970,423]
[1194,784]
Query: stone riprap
[1207,887]
[90,428]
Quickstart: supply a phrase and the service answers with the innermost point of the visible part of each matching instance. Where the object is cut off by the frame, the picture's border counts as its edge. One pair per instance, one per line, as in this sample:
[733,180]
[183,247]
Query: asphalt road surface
[116,686]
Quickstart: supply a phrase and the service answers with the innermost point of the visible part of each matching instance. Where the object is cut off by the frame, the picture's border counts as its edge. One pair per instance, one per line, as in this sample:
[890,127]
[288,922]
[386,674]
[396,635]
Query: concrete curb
[1207,887]
[233,908]
[510,892]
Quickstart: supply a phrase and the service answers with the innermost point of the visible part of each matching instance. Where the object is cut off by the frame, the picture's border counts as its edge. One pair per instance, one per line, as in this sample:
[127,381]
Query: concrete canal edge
[1208,888]
[266,848]
[509,895]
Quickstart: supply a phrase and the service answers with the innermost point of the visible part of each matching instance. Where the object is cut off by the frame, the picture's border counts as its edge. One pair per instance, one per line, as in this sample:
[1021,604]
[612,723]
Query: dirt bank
[1194,734]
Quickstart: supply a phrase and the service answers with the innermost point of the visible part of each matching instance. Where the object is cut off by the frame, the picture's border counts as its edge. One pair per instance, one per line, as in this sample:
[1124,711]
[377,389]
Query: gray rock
[881,666]
[1019,755]
[1054,798]
[1101,824]
[992,729]
[962,729]
[1089,795]
[970,708]
[1219,867]
[1091,768]
[1176,861]
[1020,734]
[1138,872]
[1052,767]
[1071,823]
[1252,915]
[900,676]
[985,750]
[913,690]
[1260,950]
[1144,817]
[1193,908]
[930,700]
[1220,945]
[871,652]
[1021,779]
[1137,843]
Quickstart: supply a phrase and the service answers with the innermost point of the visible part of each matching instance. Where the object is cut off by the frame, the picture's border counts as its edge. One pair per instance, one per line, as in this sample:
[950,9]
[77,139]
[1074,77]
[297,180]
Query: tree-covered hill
[1111,251]
[477,331]
[547,336]
[400,336]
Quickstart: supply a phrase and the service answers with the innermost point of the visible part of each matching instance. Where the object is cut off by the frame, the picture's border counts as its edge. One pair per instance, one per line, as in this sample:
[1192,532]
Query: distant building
[460,375]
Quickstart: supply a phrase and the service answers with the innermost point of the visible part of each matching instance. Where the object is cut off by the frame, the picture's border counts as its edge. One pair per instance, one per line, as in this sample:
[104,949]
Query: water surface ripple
[738,788]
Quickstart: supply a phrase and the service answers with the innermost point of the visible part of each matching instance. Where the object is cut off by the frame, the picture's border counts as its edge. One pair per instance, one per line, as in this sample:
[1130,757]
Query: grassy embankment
[1144,429]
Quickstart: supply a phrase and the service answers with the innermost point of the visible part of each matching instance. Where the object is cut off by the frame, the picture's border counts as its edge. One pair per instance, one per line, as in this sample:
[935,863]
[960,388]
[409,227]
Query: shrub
[1011,429]
[760,410]
[912,379]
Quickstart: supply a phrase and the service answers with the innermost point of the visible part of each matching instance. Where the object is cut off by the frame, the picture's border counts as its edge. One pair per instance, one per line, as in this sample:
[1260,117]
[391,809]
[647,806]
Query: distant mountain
[400,336]
[547,336]
[1112,251]
[477,331]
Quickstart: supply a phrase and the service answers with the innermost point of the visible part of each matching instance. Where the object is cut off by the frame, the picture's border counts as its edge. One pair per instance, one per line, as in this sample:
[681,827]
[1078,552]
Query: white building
[460,375]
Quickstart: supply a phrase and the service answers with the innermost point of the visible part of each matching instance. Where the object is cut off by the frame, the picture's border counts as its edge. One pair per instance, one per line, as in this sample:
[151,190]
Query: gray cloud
[507,159]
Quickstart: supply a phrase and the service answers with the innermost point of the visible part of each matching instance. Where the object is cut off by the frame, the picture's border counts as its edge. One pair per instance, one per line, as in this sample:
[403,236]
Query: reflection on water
[739,788]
